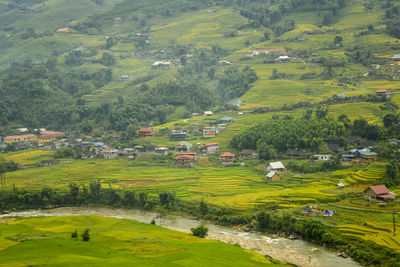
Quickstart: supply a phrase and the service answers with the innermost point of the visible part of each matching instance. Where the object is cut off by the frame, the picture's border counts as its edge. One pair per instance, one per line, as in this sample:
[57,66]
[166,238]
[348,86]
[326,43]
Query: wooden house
[208,113]
[248,154]
[161,151]
[273,176]
[227,158]
[379,193]
[146,132]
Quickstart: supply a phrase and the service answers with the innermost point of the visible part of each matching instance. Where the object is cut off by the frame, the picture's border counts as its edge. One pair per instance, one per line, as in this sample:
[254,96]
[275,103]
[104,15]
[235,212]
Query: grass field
[116,242]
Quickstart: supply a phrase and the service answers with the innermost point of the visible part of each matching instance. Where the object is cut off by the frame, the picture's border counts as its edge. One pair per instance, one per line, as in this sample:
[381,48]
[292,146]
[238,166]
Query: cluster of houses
[28,140]
[359,156]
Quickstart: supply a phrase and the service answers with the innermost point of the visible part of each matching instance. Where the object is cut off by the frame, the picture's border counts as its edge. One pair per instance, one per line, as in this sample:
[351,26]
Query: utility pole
[394,223]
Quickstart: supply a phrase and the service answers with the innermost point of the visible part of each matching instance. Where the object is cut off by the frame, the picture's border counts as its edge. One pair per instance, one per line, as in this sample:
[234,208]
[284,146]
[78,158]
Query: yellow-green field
[27,157]
[113,242]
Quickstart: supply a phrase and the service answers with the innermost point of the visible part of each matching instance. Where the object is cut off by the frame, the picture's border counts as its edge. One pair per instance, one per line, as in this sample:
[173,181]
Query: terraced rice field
[27,157]
[380,233]
[237,187]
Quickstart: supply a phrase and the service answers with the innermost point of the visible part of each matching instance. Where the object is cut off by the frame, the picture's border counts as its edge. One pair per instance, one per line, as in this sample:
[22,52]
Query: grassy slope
[113,242]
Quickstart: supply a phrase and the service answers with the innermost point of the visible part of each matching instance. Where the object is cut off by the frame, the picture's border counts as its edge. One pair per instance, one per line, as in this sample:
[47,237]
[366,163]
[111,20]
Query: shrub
[200,231]
[86,235]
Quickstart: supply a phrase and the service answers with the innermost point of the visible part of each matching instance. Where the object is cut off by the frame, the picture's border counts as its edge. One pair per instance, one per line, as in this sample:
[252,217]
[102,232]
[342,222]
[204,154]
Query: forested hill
[87,64]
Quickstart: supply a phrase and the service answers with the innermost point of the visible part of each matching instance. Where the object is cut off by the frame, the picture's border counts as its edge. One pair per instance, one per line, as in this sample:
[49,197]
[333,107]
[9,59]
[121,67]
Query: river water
[297,252]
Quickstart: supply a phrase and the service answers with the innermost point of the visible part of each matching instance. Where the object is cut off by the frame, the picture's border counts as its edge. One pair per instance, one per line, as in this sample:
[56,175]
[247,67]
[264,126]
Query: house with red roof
[379,193]
[49,136]
[227,158]
[26,138]
[185,160]
[146,132]
[383,93]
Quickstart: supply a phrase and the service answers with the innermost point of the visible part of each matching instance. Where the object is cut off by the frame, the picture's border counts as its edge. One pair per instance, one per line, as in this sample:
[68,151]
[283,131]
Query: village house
[208,113]
[209,132]
[161,151]
[339,97]
[26,138]
[193,115]
[117,21]
[394,141]
[128,153]
[49,136]
[179,134]
[183,146]
[224,62]
[227,158]
[124,78]
[396,57]
[383,93]
[185,161]
[273,176]
[379,193]
[146,132]
[163,64]
[248,154]
[276,166]
[209,148]
[326,157]
[227,119]
[63,30]
[109,153]
[283,58]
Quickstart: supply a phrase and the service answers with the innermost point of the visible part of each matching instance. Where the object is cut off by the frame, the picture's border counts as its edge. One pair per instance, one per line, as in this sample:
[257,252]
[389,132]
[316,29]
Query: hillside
[111,63]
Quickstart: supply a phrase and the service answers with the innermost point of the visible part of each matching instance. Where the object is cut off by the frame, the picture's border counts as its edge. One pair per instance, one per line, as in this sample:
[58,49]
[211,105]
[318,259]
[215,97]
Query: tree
[370,28]
[266,36]
[338,40]
[321,112]
[345,120]
[392,171]
[275,74]
[86,235]
[200,231]
[74,234]
[308,114]
[107,59]
[265,150]
[203,207]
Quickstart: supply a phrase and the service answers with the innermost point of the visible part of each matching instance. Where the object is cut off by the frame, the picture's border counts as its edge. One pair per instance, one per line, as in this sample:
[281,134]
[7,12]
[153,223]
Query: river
[297,252]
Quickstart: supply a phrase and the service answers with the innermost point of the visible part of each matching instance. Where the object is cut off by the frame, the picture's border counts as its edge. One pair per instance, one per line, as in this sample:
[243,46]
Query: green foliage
[86,235]
[236,82]
[200,231]
[281,134]
[74,234]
